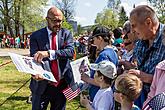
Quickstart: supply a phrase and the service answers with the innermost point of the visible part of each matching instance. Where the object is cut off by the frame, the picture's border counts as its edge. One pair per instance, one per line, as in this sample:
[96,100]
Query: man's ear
[148,22]
[47,18]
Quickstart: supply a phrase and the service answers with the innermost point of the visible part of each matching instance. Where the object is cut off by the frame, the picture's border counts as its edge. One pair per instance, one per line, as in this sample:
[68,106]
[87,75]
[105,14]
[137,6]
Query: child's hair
[129,85]
[106,79]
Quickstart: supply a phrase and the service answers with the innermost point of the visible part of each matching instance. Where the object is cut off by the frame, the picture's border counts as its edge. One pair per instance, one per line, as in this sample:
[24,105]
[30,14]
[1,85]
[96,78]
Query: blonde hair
[129,85]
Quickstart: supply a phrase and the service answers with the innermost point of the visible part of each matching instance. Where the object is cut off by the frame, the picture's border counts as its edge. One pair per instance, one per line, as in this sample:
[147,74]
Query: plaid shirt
[156,54]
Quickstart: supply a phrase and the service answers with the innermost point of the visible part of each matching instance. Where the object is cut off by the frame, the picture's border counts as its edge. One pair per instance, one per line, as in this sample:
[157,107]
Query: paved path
[4,52]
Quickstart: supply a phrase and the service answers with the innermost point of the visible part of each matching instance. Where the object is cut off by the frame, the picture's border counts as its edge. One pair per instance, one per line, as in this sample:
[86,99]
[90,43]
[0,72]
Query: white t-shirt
[103,100]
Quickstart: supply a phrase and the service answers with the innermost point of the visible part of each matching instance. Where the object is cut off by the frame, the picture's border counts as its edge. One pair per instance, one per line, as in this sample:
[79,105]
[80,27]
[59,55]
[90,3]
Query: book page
[28,65]
[84,61]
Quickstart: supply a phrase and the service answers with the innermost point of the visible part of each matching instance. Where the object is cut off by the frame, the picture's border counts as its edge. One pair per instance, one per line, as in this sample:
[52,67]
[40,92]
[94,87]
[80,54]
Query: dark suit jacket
[39,41]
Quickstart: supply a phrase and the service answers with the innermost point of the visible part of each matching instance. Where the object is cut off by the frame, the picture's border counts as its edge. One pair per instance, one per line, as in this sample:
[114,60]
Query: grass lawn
[11,80]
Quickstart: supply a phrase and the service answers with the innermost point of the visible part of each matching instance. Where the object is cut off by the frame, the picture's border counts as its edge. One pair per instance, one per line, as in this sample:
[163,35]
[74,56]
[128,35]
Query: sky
[86,10]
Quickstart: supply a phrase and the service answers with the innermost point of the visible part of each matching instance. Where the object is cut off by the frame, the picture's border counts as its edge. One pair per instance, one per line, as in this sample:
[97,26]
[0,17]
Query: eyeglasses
[55,20]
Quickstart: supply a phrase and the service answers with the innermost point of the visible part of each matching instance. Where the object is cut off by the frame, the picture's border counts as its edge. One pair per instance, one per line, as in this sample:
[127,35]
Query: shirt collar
[49,31]
[156,43]
[161,65]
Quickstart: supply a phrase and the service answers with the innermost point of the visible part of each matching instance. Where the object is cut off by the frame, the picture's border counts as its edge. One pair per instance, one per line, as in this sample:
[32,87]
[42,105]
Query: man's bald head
[54,11]
[142,12]
[54,19]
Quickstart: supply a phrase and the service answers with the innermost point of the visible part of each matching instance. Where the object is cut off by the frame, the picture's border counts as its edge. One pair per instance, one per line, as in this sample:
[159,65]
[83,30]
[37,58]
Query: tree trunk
[7,18]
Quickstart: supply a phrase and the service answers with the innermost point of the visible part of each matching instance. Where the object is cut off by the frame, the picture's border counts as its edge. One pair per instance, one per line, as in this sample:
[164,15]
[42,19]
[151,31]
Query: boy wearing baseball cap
[104,76]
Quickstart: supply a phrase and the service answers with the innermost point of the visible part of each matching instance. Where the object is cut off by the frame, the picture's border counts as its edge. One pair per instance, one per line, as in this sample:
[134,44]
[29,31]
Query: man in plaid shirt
[149,50]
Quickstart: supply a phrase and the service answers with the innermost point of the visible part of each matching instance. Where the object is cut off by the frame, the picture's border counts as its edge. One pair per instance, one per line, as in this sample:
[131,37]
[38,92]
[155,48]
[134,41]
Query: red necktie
[54,64]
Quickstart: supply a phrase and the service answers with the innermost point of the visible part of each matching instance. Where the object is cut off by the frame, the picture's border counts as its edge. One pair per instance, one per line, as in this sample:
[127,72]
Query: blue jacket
[39,41]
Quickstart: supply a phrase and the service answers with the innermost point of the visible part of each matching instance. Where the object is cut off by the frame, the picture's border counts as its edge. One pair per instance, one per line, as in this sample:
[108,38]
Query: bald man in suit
[44,49]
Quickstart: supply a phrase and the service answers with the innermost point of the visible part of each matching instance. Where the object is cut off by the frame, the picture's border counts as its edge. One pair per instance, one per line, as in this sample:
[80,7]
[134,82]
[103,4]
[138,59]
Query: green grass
[11,80]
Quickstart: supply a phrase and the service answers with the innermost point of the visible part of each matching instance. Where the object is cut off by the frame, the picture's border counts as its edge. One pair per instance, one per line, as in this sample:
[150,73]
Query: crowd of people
[6,41]
[127,64]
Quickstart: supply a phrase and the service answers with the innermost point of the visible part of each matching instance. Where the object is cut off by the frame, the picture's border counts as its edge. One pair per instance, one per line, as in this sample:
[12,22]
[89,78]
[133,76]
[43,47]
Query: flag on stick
[156,103]
[71,92]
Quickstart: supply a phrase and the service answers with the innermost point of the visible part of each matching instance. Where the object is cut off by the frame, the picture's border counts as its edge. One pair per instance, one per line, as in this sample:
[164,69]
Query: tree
[67,7]
[159,5]
[114,5]
[17,13]
[32,15]
[107,18]
[66,25]
[122,17]
[5,12]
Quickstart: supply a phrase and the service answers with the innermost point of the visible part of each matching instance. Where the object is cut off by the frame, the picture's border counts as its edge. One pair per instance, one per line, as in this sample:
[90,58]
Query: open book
[28,65]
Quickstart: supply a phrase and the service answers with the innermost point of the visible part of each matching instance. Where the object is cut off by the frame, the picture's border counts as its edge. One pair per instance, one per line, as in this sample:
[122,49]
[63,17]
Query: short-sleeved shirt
[103,100]
[105,54]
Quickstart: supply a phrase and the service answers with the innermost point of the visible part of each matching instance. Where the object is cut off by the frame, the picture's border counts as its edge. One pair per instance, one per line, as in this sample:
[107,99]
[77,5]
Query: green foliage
[17,14]
[66,25]
[107,18]
[162,19]
[159,6]
[114,4]
[32,15]
[122,17]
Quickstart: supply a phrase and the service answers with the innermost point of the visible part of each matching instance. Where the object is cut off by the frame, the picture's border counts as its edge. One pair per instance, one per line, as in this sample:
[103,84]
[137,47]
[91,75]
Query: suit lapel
[45,39]
[60,38]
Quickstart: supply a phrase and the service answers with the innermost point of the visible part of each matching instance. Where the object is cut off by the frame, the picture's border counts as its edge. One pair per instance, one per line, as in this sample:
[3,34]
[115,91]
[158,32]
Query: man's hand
[37,77]
[40,55]
[145,77]
[135,72]
[127,65]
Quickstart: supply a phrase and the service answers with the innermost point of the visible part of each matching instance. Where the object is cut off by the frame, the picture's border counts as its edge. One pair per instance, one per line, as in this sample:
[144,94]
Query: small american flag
[71,92]
[156,103]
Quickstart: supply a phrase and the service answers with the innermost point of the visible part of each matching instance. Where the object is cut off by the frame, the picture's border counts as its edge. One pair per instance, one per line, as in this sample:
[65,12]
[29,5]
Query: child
[158,82]
[101,39]
[127,90]
[104,76]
